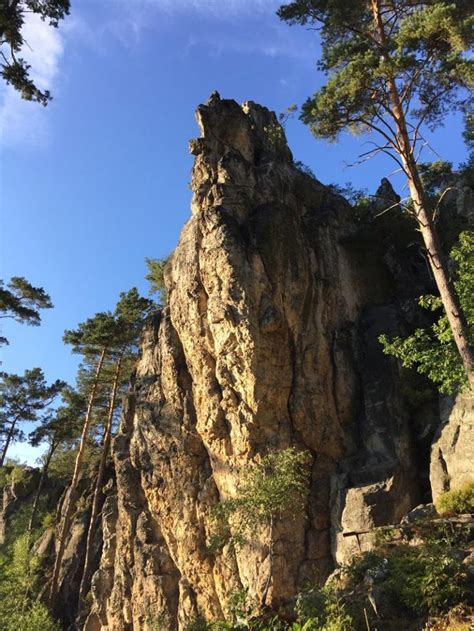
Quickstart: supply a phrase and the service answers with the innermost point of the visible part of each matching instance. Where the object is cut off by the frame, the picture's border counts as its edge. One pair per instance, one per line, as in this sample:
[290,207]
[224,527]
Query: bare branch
[446,190]
[428,108]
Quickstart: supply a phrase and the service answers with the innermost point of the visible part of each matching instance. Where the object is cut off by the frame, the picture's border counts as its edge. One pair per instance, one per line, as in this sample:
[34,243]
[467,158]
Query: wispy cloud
[22,121]
[234,21]
[219,9]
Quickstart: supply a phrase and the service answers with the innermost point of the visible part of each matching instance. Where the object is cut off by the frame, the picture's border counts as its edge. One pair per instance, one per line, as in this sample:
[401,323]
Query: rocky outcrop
[269,340]
[452,451]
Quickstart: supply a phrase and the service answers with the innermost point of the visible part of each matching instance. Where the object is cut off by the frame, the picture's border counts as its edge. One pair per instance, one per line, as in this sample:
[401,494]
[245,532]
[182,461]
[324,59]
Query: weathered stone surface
[452,452]
[268,341]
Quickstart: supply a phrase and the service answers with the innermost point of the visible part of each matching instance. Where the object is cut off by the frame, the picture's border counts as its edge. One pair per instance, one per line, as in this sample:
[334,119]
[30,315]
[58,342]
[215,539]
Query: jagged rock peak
[246,129]
[385,196]
[241,150]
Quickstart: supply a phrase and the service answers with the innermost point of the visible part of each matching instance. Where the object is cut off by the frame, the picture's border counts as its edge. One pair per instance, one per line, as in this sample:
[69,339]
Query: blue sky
[98,180]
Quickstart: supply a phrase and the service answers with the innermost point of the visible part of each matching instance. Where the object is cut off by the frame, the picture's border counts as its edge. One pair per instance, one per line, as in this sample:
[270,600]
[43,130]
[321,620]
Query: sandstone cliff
[269,340]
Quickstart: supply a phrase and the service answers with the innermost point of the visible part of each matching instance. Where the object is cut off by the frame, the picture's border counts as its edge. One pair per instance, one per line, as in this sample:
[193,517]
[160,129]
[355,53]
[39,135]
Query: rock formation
[277,294]
[269,340]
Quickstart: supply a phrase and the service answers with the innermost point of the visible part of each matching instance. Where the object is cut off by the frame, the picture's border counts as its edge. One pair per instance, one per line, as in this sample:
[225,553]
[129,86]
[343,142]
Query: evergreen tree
[108,344]
[130,313]
[14,69]
[92,339]
[57,428]
[393,68]
[23,398]
[20,301]
[156,277]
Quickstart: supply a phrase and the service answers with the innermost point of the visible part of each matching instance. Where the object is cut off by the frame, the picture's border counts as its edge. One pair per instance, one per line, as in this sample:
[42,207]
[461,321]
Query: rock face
[269,340]
[452,451]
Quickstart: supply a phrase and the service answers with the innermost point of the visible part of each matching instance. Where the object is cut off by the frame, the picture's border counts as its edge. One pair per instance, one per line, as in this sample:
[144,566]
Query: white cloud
[219,9]
[22,121]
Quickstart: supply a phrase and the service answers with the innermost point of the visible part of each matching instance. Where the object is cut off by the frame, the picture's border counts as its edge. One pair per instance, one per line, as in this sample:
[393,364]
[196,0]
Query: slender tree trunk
[44,472]
[437,260]
[270,566]
[70,499]
[31,524]
[8,441]
[98,483]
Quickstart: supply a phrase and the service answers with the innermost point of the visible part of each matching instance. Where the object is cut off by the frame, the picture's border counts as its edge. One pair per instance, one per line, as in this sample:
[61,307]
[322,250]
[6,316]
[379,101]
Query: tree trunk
[270,566]
[437,260]
[7,444]
[70,499]
[443,281]
[98,484]
[44,472]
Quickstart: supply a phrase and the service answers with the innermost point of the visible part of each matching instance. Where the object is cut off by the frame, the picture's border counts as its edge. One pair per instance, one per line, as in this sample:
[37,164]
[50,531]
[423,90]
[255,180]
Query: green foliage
[12,472]
[23,398]
[423,52]
[323,609]
[433,351]
[459,500]
[93,335]
[426,578]
[156,277]
[48,521]
[21,302]
[275,486]
[35,617]
[275,136]
[17,475]
[20,582]
[61,466]
[14,69]
[131,312]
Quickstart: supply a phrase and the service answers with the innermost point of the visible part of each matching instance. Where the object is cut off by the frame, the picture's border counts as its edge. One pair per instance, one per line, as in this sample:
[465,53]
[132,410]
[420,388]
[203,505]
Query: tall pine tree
[130,314]
[394,68]
[93,340]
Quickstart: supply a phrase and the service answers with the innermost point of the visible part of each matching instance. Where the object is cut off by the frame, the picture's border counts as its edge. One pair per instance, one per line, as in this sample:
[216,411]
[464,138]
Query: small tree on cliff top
[156,277]
[394,67]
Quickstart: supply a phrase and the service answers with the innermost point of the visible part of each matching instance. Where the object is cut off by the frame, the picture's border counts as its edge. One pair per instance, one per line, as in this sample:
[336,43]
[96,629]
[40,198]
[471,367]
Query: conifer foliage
[21,301]
[13,68]
[394,68]
[107,342]
[23,398]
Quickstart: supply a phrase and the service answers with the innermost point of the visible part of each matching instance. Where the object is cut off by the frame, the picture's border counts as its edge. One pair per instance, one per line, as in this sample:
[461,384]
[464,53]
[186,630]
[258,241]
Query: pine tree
[393,68]
[92,339]
[14,69]
[59,427]
[20,301]
[156,277]
[130,313]
[107,342]
[23,398]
